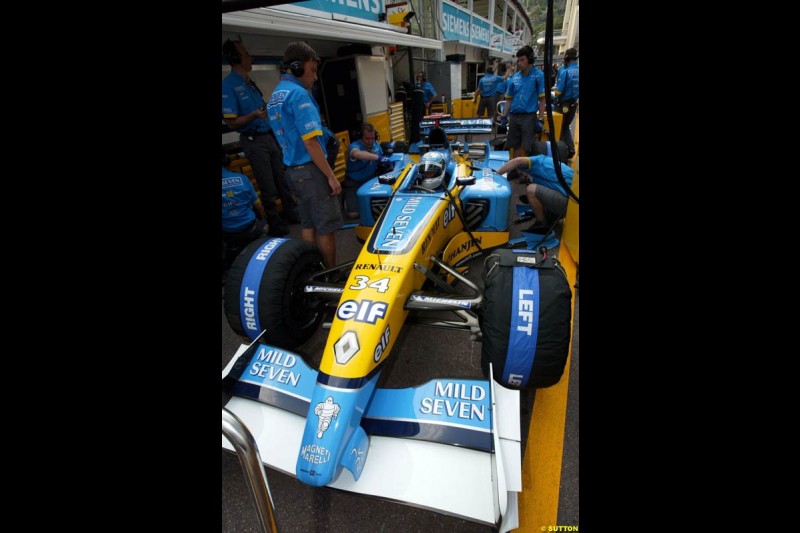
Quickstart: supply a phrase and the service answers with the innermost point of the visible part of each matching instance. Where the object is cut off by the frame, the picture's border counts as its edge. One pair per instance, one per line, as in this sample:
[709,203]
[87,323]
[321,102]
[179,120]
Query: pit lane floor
[549,419]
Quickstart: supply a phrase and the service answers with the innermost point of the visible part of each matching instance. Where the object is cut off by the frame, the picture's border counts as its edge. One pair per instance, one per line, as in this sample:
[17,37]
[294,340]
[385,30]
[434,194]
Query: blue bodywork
[373,196]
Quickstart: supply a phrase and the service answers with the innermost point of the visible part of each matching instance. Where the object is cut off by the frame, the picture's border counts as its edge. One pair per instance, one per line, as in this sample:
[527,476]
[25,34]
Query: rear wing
[455,126]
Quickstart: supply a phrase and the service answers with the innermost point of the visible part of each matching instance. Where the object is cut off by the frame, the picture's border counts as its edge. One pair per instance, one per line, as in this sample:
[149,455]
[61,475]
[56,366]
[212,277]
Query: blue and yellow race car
[451,445]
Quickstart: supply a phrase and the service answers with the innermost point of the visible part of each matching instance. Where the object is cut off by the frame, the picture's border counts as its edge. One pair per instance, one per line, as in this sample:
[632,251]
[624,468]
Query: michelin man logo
[325,411]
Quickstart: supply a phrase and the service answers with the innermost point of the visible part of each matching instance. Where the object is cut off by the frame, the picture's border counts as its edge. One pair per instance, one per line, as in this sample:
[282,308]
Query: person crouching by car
[545,195]
[364,162]
[240,203]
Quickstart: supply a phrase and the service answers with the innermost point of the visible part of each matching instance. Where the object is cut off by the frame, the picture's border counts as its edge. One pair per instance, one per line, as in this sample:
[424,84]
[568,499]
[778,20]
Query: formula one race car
[451,445]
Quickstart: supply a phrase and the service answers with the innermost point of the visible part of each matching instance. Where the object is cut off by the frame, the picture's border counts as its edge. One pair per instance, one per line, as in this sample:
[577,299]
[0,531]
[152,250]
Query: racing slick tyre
[264,291]
[526,319]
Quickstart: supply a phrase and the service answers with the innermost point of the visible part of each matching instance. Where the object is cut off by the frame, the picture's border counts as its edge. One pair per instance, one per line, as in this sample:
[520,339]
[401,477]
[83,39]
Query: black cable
[463,220]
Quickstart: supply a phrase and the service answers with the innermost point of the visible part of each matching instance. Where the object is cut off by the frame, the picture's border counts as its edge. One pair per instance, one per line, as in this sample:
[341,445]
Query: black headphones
[530,55]
[231,52]
[377,133]
[295,67]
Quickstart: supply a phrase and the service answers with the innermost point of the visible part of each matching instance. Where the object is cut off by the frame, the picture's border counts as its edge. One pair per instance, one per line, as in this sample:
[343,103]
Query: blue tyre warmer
[263,291]
[251,282]
[526,319]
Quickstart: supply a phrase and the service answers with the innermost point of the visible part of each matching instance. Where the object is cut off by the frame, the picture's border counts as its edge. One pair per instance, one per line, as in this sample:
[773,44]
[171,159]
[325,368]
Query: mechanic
[243,111]
[524,97]
[365,162]
[546,196]
[486,89]
[431,171]
[429,93]
[240,203]
[567,94]
[296,119]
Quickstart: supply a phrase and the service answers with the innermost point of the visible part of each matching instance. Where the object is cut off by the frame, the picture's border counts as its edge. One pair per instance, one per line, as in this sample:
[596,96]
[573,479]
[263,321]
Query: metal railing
[247,450]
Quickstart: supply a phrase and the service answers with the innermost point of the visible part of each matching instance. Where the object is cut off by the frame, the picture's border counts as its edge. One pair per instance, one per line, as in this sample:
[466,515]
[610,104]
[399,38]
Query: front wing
[461,468]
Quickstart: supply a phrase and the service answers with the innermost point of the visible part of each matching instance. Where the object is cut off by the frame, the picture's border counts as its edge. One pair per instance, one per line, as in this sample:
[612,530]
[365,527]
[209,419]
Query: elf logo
[449,214]
[382,344]
[525,311]
[364,311]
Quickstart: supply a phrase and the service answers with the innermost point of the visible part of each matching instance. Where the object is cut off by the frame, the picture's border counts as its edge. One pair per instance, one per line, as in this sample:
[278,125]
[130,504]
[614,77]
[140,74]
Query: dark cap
[571,54]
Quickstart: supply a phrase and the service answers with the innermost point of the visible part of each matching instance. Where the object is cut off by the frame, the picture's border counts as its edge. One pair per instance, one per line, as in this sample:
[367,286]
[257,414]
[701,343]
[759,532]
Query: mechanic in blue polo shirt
[243,111]
[428,92]
[567,93]
[295,118]
[524,99]
[546,196]
[365,161]
[486,88]
[240,225]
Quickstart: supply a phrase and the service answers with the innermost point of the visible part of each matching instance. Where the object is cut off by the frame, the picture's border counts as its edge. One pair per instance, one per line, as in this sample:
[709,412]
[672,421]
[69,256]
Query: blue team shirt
[238,197]
[525,91]
[567,84]
[428,92]
[543,172]
[501,86]
[294,117]
[360,170]
[242,98]
[488,84]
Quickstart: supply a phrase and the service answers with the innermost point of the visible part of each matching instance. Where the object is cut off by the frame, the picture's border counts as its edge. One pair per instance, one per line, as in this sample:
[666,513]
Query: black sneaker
[523,198]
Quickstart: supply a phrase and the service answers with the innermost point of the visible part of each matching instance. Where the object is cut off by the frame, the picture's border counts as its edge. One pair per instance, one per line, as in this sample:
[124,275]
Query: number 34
[362,282]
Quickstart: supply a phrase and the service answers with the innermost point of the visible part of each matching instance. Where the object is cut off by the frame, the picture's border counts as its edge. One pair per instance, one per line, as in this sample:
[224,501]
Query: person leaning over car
[296,120]
[546,196]
[365,161]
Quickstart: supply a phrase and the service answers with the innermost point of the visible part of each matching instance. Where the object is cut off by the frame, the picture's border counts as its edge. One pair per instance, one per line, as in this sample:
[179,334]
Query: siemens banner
[457,26]
[455,23]
[480,31]
[364,9]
